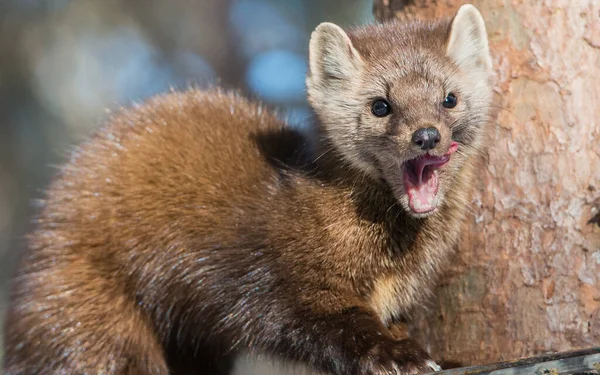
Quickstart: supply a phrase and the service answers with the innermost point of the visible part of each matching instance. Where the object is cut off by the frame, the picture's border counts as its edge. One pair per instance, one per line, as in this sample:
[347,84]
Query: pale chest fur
[394,294]
[411,280]
[398,259]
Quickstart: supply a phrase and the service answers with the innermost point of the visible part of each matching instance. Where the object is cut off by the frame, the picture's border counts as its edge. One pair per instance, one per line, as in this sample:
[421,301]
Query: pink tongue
[422,180]
[422,190]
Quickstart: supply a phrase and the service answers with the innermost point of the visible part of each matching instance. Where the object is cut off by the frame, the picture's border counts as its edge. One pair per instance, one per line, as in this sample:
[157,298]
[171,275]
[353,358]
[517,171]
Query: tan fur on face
[335,71]
[413,68]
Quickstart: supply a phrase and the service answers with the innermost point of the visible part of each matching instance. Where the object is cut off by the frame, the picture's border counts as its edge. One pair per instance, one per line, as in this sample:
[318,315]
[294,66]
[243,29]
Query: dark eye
[381,108]
[450,101]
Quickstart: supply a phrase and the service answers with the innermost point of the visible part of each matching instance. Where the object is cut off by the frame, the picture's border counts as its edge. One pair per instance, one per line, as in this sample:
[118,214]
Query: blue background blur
[63,63]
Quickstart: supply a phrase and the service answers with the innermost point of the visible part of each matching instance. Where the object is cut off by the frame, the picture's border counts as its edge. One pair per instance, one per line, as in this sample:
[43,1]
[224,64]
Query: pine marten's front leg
[345,337]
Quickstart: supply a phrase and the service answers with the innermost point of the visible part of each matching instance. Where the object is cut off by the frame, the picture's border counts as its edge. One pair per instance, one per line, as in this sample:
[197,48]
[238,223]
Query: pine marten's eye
[381,108]
[450,101]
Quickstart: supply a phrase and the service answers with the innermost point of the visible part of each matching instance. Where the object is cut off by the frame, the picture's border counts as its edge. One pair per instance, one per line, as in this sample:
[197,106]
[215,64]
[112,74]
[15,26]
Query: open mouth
[421,180]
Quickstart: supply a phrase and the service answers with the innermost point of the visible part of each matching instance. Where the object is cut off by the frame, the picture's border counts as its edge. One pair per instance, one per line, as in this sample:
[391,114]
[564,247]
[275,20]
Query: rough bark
[526,278]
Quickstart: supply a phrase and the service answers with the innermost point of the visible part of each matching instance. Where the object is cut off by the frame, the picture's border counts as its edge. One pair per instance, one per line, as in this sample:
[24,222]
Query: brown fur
[198,224]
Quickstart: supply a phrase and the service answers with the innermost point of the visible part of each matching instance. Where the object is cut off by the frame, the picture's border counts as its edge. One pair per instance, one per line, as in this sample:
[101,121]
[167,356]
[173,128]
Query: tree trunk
[526,278]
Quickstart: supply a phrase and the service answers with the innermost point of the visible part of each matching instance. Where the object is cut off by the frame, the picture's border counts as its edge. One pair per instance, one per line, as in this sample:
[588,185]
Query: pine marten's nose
[426,138]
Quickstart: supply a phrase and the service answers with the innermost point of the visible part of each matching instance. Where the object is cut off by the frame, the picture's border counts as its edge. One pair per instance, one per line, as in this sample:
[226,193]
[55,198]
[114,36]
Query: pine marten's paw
[402,357]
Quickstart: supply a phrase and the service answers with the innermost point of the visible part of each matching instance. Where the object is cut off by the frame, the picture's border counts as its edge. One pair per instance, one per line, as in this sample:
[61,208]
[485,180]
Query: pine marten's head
[405,103]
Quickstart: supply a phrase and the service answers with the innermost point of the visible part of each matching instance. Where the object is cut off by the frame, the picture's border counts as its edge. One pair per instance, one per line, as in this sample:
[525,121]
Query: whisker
[323,154]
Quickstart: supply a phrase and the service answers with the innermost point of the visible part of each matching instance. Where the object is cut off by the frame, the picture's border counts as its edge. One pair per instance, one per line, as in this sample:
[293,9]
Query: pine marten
[199,225]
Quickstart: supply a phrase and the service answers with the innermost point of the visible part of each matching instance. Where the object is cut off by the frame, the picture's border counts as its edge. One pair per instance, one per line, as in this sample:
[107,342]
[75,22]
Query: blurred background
[64,63]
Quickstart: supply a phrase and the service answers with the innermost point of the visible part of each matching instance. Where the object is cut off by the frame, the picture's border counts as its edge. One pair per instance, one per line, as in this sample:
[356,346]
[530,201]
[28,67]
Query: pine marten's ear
[467,42]
[332,57]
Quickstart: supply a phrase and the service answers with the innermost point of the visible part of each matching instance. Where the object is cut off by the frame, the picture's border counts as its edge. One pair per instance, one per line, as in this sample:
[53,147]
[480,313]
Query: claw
[434,366]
